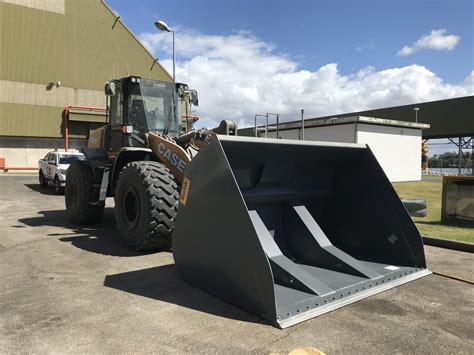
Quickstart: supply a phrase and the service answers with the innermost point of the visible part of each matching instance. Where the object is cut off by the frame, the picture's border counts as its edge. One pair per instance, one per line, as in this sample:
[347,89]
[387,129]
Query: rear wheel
[80,195]
[146,203]
[42,180]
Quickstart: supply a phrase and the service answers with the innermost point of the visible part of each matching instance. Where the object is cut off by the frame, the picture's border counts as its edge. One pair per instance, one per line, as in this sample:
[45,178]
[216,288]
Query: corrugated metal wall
[82,49]
[30,121]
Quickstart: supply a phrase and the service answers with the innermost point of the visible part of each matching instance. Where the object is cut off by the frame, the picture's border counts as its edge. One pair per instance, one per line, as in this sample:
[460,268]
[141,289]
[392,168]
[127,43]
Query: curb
[19,173]
[448,244]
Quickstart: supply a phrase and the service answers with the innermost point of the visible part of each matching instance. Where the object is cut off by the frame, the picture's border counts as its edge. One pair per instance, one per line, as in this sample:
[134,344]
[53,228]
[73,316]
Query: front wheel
[146,203]
[81,197]
[57,186]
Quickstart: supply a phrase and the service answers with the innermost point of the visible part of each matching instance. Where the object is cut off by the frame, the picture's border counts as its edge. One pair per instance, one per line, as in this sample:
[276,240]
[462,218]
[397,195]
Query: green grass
[430,189]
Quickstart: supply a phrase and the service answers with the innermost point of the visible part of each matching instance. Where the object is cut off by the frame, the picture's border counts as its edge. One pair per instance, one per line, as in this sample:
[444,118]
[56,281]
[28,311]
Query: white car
[53,167]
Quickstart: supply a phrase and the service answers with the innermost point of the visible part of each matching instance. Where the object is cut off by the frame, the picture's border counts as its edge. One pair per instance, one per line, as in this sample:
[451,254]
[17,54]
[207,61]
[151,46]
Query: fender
[125,156]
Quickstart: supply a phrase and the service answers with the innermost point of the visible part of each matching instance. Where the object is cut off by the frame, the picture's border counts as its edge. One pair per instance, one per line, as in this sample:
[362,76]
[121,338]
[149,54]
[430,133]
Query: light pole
[416,109]
[302,124]
[162,26]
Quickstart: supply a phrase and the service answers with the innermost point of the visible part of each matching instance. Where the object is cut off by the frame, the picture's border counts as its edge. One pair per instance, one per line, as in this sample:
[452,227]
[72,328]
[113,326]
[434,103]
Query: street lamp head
[416,109]
[162,26]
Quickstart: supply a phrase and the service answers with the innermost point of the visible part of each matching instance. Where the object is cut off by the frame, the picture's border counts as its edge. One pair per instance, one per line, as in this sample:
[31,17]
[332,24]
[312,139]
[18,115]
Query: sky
[250,57]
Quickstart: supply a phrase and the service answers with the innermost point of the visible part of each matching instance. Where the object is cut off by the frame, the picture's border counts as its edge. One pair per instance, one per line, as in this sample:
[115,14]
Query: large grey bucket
[289,230]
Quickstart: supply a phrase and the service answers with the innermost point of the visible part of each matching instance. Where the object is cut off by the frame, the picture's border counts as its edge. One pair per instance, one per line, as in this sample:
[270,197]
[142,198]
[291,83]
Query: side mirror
[109,89]
[194,97]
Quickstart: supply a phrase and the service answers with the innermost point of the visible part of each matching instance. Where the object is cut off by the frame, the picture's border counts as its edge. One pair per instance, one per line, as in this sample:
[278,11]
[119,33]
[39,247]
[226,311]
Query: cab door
[51,166]
[116,120]
[43,164]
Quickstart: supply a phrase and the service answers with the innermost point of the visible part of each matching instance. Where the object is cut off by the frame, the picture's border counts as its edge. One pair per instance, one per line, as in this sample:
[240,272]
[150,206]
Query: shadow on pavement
[165,284]
[100,238]
[48,190]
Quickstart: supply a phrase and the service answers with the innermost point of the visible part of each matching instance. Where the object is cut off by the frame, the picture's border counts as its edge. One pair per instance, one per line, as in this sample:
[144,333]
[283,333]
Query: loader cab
[139,106]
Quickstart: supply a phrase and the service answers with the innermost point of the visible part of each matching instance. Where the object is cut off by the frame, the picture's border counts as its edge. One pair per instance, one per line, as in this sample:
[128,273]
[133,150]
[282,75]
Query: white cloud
[239,75]
[436,40]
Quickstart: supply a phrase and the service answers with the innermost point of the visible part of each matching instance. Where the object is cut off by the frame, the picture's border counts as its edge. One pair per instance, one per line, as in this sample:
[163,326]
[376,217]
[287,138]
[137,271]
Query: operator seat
[137,114]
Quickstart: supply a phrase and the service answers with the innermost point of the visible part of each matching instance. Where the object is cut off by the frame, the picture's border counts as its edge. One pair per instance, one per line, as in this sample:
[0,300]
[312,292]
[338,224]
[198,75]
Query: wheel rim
[130,206]
[71,195]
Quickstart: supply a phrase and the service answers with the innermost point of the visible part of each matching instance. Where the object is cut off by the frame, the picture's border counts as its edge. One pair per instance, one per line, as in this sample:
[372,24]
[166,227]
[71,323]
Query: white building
[396,144]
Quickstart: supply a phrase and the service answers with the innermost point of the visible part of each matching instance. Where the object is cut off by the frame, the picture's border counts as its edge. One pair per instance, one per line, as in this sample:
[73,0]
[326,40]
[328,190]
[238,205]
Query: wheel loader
[139,158]
[285,229]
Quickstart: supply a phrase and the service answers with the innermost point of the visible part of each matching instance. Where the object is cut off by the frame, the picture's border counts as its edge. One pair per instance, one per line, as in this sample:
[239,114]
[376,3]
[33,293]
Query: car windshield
[151,107]
[69,159]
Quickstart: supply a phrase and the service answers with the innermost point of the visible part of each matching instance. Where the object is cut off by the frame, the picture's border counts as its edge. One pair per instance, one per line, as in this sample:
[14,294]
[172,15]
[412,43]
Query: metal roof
[352,119]
[447,118]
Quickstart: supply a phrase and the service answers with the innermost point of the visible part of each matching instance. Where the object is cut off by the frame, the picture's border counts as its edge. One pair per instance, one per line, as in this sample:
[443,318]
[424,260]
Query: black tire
[57,186]
[81,196]
[42,180]
[146,203]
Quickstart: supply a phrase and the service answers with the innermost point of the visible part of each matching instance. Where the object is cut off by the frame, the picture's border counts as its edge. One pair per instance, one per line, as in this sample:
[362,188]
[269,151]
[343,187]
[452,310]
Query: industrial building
[450,118]
[56,56]
[395,144]
[395,134]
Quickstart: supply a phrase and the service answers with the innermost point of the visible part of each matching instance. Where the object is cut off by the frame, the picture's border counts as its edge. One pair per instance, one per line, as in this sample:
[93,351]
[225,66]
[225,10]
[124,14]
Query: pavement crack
[289,332]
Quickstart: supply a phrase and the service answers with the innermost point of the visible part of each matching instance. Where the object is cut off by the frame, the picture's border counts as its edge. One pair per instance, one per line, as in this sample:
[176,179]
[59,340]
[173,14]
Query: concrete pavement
[66,289]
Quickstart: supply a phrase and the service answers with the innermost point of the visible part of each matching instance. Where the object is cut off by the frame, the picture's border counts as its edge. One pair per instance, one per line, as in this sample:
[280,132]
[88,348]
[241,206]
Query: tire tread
[85,213]
[162,194]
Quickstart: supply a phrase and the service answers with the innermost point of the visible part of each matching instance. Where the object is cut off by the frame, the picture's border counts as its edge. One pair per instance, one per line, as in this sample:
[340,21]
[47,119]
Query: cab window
[116,107]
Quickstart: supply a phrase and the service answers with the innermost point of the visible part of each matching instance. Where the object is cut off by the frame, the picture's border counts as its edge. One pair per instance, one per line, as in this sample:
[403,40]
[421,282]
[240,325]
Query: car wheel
[57,186]
[42,180]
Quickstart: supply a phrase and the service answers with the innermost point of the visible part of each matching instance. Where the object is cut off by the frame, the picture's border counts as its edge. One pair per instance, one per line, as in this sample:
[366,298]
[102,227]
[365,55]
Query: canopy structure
[447,118]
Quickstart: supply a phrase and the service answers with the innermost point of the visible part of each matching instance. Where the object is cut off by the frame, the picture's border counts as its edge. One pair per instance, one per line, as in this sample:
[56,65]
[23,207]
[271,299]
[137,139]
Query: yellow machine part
[172,155]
